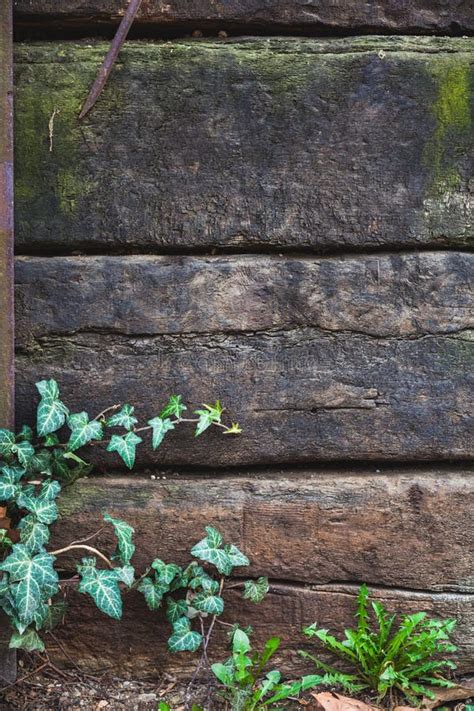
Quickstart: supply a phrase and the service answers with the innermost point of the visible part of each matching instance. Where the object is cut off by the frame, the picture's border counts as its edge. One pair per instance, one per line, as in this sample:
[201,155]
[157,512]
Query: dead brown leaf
[330,701]
[443,696]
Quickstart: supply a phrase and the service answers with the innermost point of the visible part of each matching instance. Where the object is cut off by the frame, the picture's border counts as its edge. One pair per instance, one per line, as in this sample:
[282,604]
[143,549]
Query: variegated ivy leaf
[51,413]
[102,586]
[208,550]
[29,641]
[183,638]
[126,574]
[82,431]
[213,536]
[9,478]
[125,447]
[255,590]
[124,533]
[210,414]
[41,463]
[25,434]
[174,407]
[36,577]
[205,583]
[159,427]
[237,558]
[165,572]
[24,452]
[50,490]
[5,541]
[33,534]
[153,592]
[44,509]
[124,418]
[7,440]
[205,602]
[51,440]
[175,609]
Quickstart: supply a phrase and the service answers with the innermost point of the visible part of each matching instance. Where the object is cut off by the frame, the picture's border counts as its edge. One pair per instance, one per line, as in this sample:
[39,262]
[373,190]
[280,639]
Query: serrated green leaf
[175,609]
[33,534]
[206,602]
[159,427]
[82,430]
[103,587]
[183,638]
[153,592]
[51,413]
[7,440]
[125,418]
[165,572]
[30,641]
[174,407]
[125,447]
[124,533]
[24,452]
[255,590]
[9,478]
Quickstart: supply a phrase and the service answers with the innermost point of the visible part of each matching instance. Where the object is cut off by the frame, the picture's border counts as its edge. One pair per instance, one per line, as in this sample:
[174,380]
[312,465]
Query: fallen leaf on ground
[330,701]
[442,696]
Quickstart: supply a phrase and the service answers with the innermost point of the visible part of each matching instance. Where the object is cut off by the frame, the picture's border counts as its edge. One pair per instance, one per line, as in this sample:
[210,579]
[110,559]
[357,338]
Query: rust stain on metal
[110,58]
[6,216]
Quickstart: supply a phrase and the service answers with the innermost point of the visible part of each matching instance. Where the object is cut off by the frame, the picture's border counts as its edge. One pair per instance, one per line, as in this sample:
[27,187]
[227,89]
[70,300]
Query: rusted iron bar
[111,56]
[6,214]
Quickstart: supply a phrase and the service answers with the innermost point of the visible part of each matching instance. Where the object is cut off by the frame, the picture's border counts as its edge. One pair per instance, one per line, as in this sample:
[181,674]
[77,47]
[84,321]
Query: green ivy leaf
[211,413]
[153,592]
[7,440]
[125,447]
[51,413]
[212,604]
[126,574]
[183,638]
[160,427]
[237,558]
[166,573]
[9,478]
[33,534]
[36,577]
[82,431]
[124,533]
[255,590]
[102,586]
[29,641]
[205,582]
[44,509]
[24,452]
[208,550]
[51,440]
[41,463]
[124,418]
[174,407]
[25,434]
[213,536]
[175,609]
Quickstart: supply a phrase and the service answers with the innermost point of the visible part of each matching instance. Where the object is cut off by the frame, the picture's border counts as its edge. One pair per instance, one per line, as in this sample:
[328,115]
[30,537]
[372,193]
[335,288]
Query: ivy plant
[36,464]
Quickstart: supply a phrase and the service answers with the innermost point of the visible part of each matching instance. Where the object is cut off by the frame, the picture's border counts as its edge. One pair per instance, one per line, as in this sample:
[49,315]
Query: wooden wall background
[284,219]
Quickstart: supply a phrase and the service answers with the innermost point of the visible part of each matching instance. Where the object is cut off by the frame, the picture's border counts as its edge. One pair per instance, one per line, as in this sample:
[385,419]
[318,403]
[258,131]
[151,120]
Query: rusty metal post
[7,656]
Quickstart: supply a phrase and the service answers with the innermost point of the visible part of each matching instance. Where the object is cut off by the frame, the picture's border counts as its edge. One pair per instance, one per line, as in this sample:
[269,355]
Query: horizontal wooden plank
[434,15]
[137,644]
[386,295]
[301,394]
[313,527]
[278,143]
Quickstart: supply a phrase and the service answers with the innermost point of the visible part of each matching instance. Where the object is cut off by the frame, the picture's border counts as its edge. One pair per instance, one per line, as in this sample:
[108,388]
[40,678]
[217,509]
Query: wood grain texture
[360,358]
[305,527]
[385,295]
[354,144]
[137,644]
[391,15]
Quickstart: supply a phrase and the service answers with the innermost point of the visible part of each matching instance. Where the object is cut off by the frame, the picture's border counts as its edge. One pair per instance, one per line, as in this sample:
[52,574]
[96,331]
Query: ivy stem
[82,547]
[107,409]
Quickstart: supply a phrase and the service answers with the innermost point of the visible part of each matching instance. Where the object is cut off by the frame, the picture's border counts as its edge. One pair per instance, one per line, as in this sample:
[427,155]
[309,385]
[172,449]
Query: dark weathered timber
[302,526]
[389,15]
[387,295]
[137,644]
[256,144]
[7,387]
[301,394]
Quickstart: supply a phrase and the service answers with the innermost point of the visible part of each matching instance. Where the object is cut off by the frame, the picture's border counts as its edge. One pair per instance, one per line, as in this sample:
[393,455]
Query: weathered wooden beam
[387,15]
[137,644]
[348,144]
[399,295]
[307,527]
[361,358]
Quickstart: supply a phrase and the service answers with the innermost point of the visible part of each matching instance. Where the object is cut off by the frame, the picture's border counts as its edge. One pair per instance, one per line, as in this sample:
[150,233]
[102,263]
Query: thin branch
[86,548]
[89,538]
[107,409]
